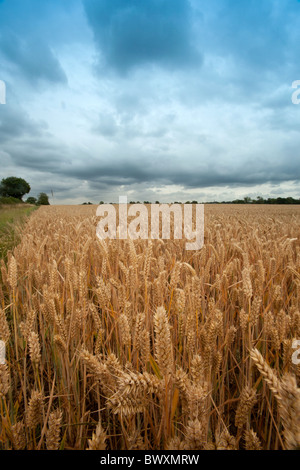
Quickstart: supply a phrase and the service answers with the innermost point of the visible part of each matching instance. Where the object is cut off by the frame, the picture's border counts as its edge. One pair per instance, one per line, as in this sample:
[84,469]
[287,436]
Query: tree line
[246,200]
[13,189]
[261,200]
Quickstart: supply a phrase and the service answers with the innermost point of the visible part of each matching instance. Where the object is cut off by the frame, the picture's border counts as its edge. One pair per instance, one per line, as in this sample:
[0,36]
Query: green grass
[12,217]
[10,200]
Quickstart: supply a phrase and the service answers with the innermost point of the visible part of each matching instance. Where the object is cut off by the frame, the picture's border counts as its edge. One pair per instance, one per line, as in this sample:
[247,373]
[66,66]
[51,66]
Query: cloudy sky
[154,99]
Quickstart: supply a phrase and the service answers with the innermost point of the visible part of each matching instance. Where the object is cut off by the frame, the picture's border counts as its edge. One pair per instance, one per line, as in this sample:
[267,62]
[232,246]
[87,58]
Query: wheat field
[142,345]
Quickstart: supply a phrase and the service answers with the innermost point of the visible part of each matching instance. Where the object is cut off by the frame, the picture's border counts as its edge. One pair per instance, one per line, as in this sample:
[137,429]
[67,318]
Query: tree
[247,200]
[31,200]
[259,200]
[14,187]
[43,200]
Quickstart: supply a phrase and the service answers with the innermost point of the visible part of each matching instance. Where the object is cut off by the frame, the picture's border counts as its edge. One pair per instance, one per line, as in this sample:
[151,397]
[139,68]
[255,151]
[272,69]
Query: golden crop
[144,345]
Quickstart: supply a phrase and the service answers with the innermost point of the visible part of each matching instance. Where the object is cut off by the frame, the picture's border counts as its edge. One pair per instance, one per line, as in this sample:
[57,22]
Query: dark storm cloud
[24,41]
[261,35]
[16,123]
[133,33]
[190,94]
[115,172]
[28,155]
[32,58]
[27,143]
